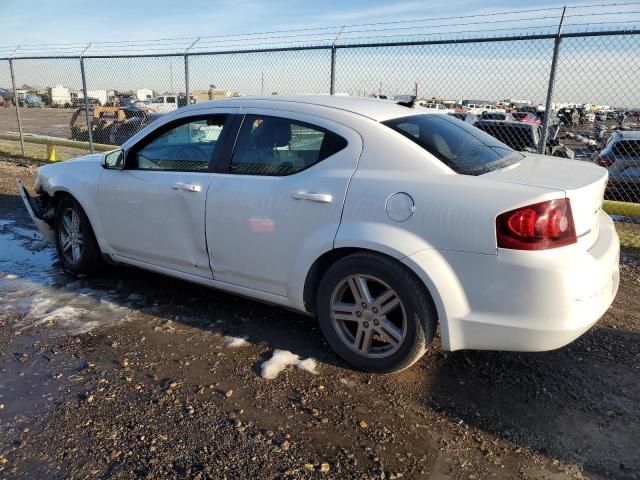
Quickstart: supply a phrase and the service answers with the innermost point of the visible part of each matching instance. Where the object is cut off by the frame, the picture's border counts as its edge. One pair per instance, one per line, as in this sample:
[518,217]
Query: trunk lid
[582,182]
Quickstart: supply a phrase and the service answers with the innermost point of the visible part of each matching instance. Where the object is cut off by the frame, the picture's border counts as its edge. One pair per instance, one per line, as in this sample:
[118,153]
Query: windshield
[462,147]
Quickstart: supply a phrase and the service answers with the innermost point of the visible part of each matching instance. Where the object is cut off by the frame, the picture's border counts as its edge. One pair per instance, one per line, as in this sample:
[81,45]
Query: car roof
[373,108]
[507,123]
[628,134]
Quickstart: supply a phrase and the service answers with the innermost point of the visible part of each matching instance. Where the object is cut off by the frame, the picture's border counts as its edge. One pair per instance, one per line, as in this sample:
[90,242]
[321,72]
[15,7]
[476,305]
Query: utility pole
[380,89]
[415,89]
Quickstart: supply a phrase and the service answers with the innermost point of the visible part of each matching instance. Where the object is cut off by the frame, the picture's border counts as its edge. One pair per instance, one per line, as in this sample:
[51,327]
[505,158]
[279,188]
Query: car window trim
[226,165]
[217,152]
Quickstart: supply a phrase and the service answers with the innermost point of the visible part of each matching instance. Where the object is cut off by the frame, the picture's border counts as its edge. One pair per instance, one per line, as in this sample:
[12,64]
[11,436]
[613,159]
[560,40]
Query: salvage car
[470,118]
[497,116]
[383,221]
[526,117]
[621,157]
[525,137]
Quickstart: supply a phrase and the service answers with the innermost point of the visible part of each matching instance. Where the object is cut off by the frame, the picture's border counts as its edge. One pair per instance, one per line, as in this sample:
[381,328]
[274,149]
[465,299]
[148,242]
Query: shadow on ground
[578,404]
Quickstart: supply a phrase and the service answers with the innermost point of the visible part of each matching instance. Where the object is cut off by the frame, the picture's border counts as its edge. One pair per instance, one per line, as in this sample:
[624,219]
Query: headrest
[273,132]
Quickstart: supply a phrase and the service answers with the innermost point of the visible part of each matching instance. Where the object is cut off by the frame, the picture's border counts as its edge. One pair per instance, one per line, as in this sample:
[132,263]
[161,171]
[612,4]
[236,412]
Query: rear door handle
[314,197]
[189,187]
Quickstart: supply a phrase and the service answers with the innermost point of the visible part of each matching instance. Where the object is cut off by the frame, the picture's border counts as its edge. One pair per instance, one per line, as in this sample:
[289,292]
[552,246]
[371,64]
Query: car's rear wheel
[375,313]
[75,242]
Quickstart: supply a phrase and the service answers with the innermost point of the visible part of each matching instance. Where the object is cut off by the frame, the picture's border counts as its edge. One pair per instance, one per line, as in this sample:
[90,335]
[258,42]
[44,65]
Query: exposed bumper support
[35,214]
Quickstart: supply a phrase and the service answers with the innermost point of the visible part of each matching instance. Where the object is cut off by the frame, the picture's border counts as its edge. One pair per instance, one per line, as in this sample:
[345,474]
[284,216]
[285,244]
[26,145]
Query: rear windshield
[630,148]
[494,116]
[462,147]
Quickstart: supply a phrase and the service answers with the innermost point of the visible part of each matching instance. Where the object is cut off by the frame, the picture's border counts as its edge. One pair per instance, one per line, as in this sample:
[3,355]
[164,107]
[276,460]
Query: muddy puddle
[34,291]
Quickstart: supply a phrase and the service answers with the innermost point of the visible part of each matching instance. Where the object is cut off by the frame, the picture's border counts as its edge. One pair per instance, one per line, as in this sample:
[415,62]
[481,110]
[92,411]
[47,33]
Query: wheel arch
[83,195]
[327,259]
[59,194]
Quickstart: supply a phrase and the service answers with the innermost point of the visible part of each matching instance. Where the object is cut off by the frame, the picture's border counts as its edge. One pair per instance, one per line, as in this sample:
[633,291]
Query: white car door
[152,211]
[280,198]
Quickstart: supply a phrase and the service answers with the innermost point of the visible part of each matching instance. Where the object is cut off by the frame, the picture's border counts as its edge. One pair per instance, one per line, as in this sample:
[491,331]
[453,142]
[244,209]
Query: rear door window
[278,146]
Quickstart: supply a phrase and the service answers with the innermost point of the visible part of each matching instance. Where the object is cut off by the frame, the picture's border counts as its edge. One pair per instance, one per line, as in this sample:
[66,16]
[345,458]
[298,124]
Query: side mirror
[113,160]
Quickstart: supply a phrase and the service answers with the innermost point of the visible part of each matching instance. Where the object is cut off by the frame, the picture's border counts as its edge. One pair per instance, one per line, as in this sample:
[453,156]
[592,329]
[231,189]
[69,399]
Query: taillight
[605,160]
[537,227]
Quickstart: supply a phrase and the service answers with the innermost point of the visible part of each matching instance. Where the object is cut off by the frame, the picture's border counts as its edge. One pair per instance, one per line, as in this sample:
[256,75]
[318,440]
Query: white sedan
[382,220]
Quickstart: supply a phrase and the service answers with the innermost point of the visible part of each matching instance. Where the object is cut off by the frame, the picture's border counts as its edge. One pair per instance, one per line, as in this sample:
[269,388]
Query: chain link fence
[572,95]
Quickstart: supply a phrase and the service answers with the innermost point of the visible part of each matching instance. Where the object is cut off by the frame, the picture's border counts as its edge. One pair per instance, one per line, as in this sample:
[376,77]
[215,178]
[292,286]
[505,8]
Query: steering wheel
[189,153]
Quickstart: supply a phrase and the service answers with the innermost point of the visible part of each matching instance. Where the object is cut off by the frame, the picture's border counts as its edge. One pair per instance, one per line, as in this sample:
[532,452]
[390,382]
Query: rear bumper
[528,301]
[45,229]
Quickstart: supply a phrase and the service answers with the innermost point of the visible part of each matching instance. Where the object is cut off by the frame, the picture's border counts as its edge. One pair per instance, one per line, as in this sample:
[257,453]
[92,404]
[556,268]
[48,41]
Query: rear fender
[426,262]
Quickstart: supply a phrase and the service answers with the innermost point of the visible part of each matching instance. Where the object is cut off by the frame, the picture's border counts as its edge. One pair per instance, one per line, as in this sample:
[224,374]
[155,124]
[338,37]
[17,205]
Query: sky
[56,21]
[600,70]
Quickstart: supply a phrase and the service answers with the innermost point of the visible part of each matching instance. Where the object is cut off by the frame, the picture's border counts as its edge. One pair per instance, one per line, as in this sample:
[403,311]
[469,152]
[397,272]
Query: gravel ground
[151,381]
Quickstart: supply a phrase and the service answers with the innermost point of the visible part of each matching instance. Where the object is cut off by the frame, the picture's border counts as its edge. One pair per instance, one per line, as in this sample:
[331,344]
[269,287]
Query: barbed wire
[501,23]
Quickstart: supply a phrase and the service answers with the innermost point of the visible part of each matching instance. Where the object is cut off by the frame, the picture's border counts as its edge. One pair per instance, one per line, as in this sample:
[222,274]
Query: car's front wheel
[375,313]
[75,242]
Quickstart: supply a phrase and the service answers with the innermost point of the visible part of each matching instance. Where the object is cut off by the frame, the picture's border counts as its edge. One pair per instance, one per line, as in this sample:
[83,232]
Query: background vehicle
[526,117]
[437,107]
[569,116]
[120,132]
[470,118]
[525,137]
[496,116]
[168,103]
[32,101]
[78,102]
[107,123]
[380,219]
[621,157]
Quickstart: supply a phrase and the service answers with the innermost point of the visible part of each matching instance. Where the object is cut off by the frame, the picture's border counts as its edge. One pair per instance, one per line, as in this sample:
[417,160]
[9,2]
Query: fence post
[186,71]
[15,100]
[552,79]
[186,78]
[86,103]
[332,84]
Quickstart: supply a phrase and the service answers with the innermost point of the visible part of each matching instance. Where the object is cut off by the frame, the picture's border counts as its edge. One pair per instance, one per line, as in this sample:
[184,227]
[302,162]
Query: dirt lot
[43,121]
[133,375]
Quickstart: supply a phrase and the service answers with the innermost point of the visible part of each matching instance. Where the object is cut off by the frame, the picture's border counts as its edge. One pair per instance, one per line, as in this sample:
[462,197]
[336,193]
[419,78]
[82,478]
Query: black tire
[90,258]
[416,303]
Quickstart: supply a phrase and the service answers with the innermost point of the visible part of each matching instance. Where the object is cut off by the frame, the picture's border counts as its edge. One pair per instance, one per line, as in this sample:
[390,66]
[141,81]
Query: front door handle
[314,197]
[189,187]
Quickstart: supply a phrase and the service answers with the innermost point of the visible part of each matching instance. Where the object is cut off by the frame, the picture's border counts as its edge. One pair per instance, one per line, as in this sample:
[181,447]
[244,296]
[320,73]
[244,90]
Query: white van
[169,103]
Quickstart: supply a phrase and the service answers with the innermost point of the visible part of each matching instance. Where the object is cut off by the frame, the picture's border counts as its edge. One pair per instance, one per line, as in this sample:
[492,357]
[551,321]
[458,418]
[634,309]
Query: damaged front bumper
[40,213]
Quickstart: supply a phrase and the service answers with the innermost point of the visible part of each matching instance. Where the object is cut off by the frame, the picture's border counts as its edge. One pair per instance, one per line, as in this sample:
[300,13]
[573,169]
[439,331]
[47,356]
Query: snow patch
[37,245]
[235,342]
[348,382]
[281,359]
[308,364]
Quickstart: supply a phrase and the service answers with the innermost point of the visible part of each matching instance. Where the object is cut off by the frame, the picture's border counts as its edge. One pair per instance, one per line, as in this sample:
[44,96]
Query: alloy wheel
[71,238]
[368,316]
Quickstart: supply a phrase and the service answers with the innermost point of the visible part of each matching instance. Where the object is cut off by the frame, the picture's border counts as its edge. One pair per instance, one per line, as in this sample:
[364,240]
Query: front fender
[81,182]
